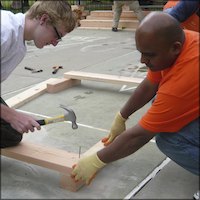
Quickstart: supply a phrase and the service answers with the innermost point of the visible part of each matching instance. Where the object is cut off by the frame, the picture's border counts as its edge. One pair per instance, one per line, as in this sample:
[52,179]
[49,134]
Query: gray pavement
[147,174]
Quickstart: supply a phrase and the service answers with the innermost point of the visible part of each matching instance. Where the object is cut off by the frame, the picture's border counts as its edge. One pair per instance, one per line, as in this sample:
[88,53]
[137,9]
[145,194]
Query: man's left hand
[86,168]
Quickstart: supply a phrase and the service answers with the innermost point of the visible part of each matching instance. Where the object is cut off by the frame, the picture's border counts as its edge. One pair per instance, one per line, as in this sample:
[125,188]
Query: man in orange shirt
[172,57]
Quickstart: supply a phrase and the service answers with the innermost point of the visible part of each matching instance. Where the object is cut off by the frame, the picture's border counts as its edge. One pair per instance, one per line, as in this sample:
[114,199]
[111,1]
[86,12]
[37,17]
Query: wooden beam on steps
[108,14]
[100,23]
[51,158]
[102,78]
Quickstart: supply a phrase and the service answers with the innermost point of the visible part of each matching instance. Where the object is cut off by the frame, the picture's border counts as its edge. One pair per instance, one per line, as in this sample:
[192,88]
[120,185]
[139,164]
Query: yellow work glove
[118,126]
[86,168]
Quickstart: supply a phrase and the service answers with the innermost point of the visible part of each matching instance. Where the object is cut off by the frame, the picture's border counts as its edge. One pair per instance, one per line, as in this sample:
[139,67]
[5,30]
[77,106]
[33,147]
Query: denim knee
[161,143]
[182,147]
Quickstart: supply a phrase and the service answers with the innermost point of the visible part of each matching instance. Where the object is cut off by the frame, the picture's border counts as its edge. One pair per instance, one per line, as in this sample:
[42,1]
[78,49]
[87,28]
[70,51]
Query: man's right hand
[24,123]
[19,121]
[118,126]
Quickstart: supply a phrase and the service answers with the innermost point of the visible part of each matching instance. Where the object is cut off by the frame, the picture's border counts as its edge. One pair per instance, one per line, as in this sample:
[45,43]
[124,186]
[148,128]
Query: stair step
[108,23]
[105,28]
[103,19]
[109,18]
[109,14]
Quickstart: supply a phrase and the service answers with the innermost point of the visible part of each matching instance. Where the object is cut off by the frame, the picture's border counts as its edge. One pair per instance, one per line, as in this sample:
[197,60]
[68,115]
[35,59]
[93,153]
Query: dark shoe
[114,29]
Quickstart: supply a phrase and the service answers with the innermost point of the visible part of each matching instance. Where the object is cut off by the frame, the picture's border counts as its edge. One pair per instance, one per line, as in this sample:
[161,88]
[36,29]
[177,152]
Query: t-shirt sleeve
[167,114]
[183,10]
[6,39]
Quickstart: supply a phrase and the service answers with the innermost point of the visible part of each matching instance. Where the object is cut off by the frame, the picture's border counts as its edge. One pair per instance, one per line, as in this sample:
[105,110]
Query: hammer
[56,68]
[68,116]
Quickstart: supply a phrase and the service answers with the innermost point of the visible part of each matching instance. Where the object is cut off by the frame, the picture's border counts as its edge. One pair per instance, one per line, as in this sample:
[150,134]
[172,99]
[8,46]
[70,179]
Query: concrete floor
[95,104]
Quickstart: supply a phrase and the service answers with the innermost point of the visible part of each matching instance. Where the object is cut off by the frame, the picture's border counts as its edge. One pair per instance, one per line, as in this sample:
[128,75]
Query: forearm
[141,96]
[6,112]
[125,144]
[184,9]
[21,122]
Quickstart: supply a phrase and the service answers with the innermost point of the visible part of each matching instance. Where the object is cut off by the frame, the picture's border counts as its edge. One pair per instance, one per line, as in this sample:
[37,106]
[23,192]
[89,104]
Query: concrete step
[110,18]
[108,23]
[109,14]
[103,19]
[85,13]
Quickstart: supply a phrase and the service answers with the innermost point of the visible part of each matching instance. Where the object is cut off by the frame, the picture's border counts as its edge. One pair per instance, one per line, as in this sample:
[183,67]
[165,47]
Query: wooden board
[28,95]
[51,158]
[61,84]
[51,85]
[102,78]
[98,146]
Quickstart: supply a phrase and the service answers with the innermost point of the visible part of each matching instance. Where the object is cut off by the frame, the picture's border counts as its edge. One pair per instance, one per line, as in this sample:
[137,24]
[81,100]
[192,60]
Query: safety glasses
[59,38]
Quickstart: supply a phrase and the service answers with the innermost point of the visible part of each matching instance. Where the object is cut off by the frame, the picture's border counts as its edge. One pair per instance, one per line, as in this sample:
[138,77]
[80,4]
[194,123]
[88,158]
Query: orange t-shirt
[177,99]
[192,23]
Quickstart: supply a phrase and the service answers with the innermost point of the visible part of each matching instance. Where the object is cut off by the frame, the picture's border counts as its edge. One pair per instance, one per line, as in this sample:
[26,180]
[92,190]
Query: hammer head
[70,116]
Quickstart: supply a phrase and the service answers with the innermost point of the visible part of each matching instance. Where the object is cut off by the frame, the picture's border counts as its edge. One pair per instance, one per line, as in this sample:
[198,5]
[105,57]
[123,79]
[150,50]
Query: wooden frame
[52,158]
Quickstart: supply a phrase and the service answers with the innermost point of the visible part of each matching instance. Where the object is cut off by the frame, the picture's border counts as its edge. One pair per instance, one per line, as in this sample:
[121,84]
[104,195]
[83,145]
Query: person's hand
[86,168]
[19,121]
[24,123]
[118,126]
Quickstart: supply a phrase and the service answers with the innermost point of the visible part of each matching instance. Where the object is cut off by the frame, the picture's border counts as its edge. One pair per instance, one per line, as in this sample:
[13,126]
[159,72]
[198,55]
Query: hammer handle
[28,68]
[60,118]
[55,71]
[41,122]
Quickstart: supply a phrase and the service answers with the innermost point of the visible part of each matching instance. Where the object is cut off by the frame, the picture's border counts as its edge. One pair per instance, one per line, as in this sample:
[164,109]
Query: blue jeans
[182,147]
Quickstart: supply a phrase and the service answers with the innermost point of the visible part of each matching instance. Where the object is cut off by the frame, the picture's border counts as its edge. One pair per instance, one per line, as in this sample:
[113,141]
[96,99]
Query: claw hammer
[56,68]
[69,115]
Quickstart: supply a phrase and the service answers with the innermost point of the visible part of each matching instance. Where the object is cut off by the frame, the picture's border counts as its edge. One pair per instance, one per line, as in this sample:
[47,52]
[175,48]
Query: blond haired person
[46,22]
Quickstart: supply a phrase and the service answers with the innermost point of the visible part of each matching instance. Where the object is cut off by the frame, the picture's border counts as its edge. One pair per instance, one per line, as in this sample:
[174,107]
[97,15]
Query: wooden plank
[55,159]
[102,77]
[28,95]
[68,183]
[61,84]
[98,146]
[96,23]
[51,158]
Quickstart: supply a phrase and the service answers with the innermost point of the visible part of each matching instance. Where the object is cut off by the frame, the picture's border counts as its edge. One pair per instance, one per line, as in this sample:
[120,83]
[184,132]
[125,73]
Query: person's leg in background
[116,15]
[9,136]
[135,6]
